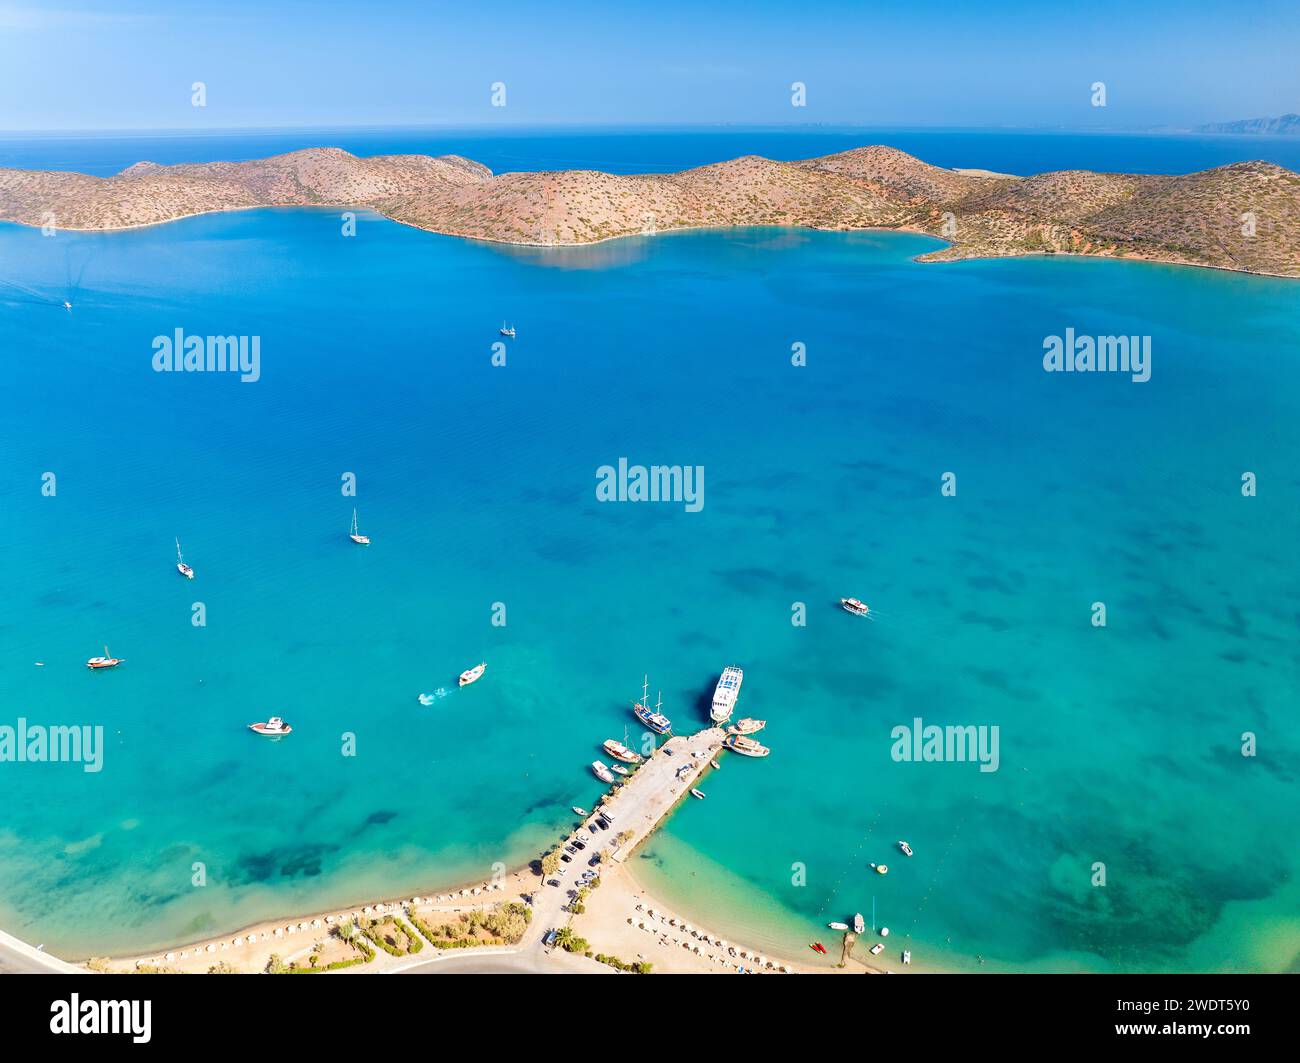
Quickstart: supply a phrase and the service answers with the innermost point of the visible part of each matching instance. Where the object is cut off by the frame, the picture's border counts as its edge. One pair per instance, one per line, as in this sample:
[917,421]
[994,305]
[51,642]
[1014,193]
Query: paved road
[18,957]
[530,961]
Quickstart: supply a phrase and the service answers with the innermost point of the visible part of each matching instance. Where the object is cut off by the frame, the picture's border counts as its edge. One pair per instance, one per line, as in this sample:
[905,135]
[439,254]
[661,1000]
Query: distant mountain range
[1242,216]
[1287,125]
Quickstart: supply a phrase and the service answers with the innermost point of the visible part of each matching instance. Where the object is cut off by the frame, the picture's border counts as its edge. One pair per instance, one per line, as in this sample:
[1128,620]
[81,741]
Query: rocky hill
[1243,216]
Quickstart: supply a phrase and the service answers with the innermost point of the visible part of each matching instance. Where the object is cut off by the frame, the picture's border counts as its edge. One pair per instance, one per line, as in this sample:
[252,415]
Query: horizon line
[162,131]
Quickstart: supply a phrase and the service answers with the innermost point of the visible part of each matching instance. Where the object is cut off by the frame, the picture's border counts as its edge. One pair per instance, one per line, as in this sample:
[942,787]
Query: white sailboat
[354,534]
[181,566]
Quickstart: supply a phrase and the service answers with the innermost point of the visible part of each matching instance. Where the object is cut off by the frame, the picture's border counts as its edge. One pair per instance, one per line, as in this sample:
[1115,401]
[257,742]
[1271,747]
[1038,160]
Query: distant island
[1245,216]
[1287,125]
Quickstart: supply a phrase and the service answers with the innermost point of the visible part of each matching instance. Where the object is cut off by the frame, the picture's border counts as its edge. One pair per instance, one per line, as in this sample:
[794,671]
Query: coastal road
[18,957]
[528,961]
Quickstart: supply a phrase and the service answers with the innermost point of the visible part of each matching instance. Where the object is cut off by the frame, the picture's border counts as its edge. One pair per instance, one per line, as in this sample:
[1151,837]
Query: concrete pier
[657,785]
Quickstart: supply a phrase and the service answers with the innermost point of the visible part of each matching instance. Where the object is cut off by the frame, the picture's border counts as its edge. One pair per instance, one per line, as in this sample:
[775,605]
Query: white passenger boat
[473,675]
[726,693]
[601,772]
[857,608]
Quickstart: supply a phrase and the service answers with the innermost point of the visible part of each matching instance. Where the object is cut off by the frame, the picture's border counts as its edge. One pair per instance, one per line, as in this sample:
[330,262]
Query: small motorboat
[838,926]
[507,330]
[857,608]
[426,699]
[104,662]
[181,566]
[715,764]
[67,305]
[697,793]
[859,924]
[601,772]
[907,849]
[273,728]
[880,869]
[877,949]
[618,769]
[473,675]
[580,812]
[907,955]
[355,534]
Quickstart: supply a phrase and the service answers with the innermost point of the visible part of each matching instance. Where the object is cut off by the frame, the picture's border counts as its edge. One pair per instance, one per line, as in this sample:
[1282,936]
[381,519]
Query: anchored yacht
[273,727]
[652,718]
[181,566]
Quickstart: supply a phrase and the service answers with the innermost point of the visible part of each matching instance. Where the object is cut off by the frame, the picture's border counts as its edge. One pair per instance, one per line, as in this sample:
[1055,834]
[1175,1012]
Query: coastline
[927,258]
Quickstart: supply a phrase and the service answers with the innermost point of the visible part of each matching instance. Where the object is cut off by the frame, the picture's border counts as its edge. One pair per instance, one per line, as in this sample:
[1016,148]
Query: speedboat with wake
[473,675]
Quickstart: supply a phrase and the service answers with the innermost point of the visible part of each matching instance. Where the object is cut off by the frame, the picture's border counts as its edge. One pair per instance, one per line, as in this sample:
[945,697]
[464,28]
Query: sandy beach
[611,924]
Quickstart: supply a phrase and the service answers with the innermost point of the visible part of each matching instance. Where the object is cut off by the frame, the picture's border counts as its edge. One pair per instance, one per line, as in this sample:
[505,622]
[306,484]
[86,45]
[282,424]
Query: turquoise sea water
[476,483]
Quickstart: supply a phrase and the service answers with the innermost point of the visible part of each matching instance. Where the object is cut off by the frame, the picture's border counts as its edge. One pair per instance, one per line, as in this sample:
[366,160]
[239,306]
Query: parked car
[551,937]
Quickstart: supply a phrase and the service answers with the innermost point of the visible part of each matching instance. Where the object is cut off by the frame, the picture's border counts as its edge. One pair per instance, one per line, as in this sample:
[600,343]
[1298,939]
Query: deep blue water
[1119,745]
[642,151]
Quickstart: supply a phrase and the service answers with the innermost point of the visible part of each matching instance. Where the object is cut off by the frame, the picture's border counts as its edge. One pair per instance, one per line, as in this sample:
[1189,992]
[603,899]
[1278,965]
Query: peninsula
[1244,216]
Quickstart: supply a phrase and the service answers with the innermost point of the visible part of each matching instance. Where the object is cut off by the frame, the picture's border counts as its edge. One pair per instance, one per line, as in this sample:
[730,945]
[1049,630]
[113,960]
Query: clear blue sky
[129,64]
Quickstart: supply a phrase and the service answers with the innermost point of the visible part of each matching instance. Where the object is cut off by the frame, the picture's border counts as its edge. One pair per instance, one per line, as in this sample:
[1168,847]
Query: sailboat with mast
[355,534]
[181,566]
[652,718]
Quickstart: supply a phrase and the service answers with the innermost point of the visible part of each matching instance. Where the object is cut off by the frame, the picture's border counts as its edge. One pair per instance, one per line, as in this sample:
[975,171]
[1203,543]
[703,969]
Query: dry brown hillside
[1194,218]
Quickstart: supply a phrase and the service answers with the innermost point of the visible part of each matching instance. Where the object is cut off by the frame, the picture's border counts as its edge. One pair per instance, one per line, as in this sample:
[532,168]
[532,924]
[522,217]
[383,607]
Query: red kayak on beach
[817,946]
